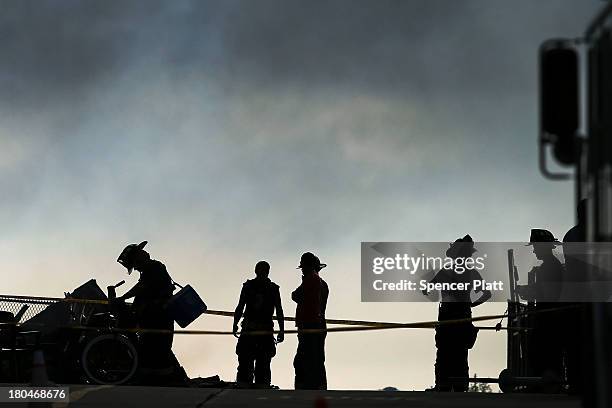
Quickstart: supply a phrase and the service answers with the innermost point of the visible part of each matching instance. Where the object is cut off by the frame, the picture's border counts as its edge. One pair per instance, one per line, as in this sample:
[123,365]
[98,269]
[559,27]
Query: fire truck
[576,131]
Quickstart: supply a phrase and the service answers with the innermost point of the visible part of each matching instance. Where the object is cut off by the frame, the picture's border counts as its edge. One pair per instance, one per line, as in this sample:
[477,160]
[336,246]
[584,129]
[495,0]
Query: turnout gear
[454,340]
[311,298]
[261,296]
[154,288]
[309,361]
[452,343]
[258,299]
[543,291]
[547,336]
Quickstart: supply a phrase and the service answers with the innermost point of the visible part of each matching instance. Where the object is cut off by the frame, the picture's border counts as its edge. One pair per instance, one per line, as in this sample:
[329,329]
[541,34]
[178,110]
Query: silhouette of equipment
[107,357]
[86,338]
[185,306]
[547,383]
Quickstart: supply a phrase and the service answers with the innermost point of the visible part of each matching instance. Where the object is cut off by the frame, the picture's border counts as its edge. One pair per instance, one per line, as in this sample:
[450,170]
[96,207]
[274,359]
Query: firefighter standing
[258,300]
[311,298]
[454,340]
[546,356]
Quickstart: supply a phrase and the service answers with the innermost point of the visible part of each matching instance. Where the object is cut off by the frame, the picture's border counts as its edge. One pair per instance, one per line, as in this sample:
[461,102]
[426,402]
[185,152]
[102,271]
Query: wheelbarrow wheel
[506,382]
[109,359]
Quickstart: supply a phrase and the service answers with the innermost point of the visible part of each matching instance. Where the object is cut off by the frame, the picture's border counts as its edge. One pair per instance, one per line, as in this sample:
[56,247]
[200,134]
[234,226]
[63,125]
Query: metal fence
[15,304]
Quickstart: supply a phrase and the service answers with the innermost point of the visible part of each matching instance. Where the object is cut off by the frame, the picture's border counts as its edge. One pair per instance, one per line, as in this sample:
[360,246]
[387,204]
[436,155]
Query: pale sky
[226,132]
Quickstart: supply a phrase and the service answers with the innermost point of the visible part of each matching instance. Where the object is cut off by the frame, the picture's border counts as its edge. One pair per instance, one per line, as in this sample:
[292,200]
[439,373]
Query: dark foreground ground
[124,396]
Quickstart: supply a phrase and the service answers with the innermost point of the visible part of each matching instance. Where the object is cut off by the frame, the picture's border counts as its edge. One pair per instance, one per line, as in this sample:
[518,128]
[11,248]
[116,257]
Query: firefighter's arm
[135,290]
[280,316]
[485,294]
[298,295]
[238,312]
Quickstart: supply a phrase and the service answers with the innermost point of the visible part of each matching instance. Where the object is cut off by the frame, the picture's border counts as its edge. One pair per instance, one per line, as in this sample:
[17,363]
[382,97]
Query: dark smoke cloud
[53,50]
[342,99]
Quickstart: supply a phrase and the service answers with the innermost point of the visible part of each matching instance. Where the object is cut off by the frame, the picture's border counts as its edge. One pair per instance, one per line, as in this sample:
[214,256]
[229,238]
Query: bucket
[185,306]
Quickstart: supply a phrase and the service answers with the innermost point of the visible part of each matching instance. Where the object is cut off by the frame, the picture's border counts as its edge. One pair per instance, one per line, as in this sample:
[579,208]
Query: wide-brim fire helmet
[542,237]
[309,259]
[130,253]
[462,247]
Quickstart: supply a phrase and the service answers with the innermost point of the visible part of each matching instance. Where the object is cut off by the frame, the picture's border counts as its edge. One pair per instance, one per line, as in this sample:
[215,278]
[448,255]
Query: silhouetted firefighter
[258,300]
[311,298]
[157,363]
[544,288]
[454,340]
[575,271]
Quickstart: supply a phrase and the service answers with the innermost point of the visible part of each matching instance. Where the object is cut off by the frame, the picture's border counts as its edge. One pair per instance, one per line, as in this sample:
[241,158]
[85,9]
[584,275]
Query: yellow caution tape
[360,325]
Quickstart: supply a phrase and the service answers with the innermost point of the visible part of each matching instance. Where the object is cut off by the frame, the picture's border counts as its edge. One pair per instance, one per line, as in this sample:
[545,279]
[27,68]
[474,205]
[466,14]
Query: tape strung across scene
[359,325]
